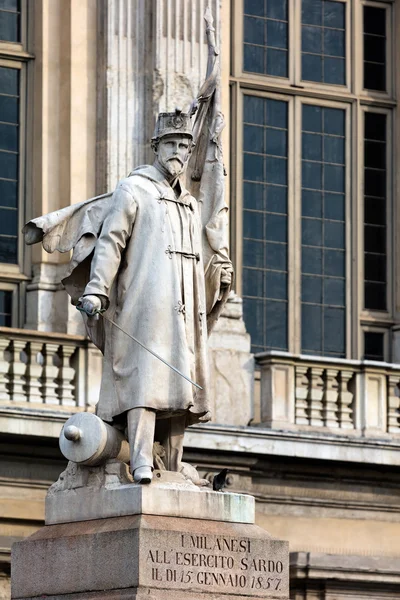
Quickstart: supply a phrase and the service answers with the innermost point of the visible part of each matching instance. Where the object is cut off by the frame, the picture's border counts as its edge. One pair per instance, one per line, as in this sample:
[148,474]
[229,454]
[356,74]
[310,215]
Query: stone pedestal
[145,555]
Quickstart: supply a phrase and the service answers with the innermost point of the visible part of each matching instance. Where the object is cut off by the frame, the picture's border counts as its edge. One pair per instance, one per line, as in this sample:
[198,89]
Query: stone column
[152,58]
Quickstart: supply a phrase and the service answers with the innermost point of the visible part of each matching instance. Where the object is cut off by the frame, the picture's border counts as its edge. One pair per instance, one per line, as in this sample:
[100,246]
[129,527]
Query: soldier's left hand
[226,278]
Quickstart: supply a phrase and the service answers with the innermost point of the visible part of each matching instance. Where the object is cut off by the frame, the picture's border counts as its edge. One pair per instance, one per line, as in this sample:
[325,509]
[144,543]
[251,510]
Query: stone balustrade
[50,369]
[360,398]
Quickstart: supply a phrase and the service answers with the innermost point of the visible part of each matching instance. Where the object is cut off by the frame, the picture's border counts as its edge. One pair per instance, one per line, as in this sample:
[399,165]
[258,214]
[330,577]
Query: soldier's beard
[174,167]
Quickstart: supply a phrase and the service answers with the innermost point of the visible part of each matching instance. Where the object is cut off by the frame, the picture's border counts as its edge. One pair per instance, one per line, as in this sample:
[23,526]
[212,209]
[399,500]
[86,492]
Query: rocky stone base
[152,557]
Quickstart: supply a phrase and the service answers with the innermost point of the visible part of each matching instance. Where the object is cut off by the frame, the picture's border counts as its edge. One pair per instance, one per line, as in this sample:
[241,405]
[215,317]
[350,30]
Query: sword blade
[151,351]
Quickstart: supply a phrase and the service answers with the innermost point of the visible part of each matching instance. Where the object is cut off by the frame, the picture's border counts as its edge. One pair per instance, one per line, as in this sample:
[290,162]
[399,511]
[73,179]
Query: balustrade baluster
[315,393]
[17,372]
[346,397]
[50,375]
[66,387]
[4,372]
[302,388]
[330,398]
[34,373]
[393,404]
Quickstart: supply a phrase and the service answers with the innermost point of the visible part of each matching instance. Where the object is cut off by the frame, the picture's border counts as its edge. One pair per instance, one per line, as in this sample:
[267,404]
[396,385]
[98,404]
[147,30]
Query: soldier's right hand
[91,304]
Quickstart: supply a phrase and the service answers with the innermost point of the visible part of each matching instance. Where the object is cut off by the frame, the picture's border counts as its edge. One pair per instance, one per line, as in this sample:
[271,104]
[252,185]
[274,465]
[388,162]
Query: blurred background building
[305,367]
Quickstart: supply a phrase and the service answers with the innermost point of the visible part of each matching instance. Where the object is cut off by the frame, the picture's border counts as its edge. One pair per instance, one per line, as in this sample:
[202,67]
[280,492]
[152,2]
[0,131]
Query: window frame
[367,314]
[15,55]
[324,87]
[376,94]
[355,101]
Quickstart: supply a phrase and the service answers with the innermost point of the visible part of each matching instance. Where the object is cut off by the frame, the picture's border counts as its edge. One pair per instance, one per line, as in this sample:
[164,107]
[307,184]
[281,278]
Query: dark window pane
[312,204]
[375,183]
[277,34]
[375,267]
[311,337]
[253,196]
[8,193]
[276,230]
[277,9]
[334,291]
[253,253]
[276,285]
[8,250]
[375,126]
[276,142]
[375,296]
[276,170]
[276,256]
[334,43]
[8,137]
[254,30]
[311,260]
[9,111]
[334,14]
[334,207]
[334,178]
[277,62]
[311,289]
[334,121]
[311,12]
[334,234]
[312,146]
[312,232]
[254,7]
[334,71]
[334,150]
[12,5]
[311,39]
[311,67]
[253,138]
[9,83]
[334,263]
[253,58]
[5,308]
[268,253]
[312,175]
[375,239]
[8,165]
[254,110]
[312,118]
[375,211]
[253,225]
[8,221]
[276,324]
[276,199]
[375,20]
[374,49]
[9,26]
[373,346]
[375,155]
[277,113]
[253,167]
[334,330]
[253,282]
[374,77]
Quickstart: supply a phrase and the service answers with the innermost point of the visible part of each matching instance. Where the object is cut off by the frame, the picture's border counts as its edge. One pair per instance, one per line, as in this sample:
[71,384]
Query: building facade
[305,373]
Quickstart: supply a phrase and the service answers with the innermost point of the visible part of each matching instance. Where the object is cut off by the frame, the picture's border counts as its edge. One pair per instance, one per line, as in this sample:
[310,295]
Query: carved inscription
[227,564]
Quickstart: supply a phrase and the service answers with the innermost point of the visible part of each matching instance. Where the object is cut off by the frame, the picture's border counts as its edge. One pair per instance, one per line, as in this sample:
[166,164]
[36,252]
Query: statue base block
[152,557]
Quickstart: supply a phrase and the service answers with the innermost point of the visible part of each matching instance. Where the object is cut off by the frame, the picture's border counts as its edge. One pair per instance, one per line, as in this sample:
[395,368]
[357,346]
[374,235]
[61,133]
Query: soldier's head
[172,141]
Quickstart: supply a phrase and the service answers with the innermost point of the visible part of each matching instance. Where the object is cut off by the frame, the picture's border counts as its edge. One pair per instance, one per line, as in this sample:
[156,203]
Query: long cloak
[154,293]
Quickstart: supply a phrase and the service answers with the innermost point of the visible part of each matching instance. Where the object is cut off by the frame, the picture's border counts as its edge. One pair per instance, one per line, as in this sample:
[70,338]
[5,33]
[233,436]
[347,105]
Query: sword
[100,312]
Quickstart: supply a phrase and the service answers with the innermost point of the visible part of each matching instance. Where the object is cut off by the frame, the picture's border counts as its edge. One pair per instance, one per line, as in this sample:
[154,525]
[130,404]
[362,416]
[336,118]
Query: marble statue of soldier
[145,256]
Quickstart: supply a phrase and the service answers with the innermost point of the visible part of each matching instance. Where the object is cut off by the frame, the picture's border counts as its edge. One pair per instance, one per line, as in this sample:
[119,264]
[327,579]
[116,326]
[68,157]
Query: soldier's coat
[155,294]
